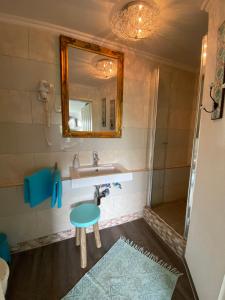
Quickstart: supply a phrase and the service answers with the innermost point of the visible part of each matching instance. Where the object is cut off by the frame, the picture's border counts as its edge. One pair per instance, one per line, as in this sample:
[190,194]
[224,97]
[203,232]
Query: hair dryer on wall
[45,95]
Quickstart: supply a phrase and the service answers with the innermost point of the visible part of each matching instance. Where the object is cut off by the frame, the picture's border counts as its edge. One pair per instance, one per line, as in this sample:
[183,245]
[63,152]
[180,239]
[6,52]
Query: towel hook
[215,104]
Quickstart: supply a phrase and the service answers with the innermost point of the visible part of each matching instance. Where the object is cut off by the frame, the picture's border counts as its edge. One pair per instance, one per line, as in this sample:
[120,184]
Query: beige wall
[28,55]
[205,253]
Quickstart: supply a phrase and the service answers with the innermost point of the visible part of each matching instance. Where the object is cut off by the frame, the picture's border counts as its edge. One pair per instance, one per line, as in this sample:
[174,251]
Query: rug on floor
[126,271]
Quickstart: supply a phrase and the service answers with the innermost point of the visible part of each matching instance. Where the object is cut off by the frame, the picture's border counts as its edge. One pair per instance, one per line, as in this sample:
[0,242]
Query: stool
[83,216]
[4,248]
[4,275]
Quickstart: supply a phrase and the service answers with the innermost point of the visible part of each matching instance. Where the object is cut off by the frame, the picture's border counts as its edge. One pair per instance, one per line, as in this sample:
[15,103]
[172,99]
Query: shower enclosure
[172,138]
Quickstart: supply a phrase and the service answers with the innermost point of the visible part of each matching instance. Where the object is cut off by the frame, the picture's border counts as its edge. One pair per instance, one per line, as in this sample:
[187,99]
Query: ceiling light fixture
[106,68]
[136,20]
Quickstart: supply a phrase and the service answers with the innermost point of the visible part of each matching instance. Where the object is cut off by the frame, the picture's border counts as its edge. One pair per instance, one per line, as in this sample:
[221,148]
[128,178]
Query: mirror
[92,89]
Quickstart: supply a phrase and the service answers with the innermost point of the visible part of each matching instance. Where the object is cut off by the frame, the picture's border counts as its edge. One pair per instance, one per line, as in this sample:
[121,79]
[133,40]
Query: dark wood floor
[49,272]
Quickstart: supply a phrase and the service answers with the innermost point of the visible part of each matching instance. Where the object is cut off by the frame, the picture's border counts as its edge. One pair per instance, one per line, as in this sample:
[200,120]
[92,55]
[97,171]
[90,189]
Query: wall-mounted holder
[217,89]
[215,103]
[44,90]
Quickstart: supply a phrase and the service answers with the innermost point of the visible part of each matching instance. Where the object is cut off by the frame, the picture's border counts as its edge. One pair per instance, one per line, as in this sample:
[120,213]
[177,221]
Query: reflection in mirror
[92,77]
[92,89]
[80,115]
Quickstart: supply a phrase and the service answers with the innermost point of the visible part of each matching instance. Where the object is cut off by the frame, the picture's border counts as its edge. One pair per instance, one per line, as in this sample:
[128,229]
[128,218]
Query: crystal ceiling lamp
[136,20]
[106,68]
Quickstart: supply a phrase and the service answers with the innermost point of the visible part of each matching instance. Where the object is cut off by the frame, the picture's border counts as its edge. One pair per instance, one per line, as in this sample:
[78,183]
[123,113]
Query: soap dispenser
[76,161]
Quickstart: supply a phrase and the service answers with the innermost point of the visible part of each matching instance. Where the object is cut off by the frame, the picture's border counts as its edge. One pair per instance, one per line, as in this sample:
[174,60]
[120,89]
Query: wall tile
[13,168]
[32,138]
[132,138]
[137,184]
[72,196]
[135,115]
[177,176]
[158,179]
[162,118]
[130,159]
[13,200]
[64,160]
[15,106]
[20,227]
[8,143]
[25,138]
[38,113]
[184,79]
[157,196]
[177,157]
[180,119]
[107,207]
[126,205]
[43,45]
[159,157]
[136,67]
[14,40]
[178,137]
[161,137]
[24,74]
[53,220]
[182,98]
[175,192]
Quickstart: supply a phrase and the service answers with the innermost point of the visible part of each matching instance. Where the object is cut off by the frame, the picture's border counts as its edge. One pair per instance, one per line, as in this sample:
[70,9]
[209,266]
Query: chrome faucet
[95,158]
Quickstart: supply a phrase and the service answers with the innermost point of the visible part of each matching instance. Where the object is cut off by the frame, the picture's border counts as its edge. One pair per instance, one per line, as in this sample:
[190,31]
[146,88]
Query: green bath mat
[126,272]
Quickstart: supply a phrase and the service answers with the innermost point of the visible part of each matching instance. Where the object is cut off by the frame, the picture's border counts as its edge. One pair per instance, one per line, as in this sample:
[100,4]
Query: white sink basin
[89,175]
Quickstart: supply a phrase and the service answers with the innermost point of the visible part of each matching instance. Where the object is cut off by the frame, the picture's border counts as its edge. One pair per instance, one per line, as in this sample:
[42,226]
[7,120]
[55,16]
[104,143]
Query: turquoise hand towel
[38,187]
[56,189]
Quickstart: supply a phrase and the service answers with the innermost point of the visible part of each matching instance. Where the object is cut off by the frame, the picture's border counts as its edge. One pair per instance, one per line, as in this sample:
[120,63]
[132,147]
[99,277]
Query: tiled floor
[173,213]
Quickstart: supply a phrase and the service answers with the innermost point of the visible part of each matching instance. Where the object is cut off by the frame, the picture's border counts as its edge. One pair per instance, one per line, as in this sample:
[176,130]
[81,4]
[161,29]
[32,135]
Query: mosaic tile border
[67,234]
[173,239]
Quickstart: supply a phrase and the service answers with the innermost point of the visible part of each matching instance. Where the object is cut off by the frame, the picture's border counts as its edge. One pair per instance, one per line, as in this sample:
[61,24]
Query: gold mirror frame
[66,42]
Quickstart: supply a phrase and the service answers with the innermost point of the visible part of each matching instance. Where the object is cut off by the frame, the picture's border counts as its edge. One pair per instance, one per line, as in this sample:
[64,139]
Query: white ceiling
[180,29]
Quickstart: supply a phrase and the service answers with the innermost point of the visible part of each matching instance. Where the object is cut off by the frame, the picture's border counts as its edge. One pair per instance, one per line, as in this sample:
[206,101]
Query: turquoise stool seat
[83,216]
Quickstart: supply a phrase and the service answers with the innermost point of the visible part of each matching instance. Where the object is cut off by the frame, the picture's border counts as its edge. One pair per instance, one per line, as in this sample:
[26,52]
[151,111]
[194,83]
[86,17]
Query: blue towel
[38,187]
[56,189]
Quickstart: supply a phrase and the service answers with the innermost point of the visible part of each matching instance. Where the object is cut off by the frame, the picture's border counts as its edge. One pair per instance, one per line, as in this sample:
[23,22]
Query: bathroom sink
[102,174]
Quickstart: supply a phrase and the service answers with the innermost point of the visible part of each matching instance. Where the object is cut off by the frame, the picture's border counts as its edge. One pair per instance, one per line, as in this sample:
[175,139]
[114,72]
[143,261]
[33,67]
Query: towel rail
[17,184]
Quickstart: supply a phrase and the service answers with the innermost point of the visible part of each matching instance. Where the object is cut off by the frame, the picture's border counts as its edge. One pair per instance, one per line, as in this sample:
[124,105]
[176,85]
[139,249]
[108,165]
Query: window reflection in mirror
[80,115]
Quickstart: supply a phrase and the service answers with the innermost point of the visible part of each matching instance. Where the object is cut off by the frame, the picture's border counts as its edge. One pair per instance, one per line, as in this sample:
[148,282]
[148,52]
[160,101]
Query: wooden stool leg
[97,236]
[77,236]
[83,248]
